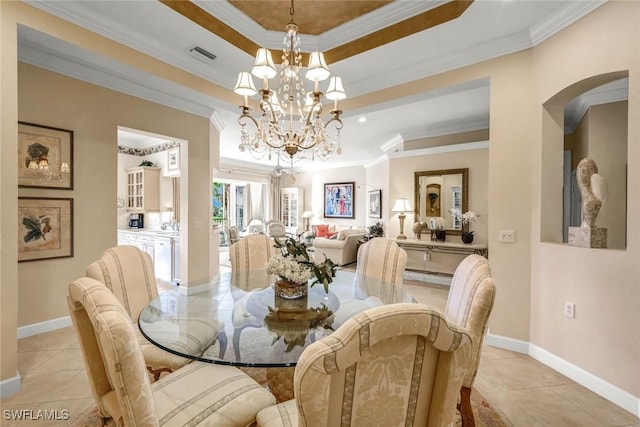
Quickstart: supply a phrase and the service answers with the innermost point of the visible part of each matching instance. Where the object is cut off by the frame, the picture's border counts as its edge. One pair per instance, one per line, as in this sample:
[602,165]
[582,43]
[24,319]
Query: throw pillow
[322,230]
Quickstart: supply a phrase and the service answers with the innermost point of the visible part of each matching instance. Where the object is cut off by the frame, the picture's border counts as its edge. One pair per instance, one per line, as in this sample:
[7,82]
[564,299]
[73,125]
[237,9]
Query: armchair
[469,305]
[198,394]
[128,272]
[393,365]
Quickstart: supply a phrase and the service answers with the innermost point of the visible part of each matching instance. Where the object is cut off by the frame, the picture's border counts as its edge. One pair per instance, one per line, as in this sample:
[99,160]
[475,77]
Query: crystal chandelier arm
[246,116]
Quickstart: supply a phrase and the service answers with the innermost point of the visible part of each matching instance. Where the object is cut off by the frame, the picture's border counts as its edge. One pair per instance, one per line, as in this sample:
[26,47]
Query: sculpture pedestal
[586,237]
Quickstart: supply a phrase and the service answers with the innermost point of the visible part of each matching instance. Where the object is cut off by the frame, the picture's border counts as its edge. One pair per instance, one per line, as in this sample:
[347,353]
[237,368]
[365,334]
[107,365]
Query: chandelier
[291,121]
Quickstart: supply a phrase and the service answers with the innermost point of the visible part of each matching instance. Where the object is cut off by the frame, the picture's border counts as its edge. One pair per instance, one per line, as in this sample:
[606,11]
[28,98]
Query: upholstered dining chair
[276,230]
[198,394]
[248,258]
[234,234]
[380,260]
[471,296]
[128,272]
[393,365]
[381,264]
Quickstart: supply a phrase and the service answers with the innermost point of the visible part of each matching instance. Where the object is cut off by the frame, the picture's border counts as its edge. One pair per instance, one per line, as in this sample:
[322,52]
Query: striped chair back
[248,258]
[381,262]
[392,365]
[128,272]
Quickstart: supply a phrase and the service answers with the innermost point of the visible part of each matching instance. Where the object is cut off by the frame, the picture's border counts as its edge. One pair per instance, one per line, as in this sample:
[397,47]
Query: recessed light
[362,120]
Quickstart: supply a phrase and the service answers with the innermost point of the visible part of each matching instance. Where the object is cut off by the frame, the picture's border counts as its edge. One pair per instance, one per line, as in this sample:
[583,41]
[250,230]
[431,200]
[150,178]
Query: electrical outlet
[570,309]
[507,236]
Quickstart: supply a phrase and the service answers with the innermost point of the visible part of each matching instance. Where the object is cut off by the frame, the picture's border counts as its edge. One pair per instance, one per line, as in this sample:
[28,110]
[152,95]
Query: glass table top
[257,328]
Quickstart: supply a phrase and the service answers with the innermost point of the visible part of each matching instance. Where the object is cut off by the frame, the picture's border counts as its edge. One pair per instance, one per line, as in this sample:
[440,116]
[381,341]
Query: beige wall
[604,338]
[401,183]
[8,194]
[94,114]
[608,147]
[313,184]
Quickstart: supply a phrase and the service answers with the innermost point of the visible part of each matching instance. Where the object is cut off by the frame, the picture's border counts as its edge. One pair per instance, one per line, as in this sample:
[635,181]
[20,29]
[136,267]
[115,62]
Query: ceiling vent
[202,54]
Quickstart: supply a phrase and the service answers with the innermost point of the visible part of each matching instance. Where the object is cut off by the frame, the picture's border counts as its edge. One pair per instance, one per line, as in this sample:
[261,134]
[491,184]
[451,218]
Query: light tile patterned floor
[525,392]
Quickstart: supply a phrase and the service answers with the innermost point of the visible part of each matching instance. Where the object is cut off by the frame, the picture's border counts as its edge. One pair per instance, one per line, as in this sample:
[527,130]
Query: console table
[438,257]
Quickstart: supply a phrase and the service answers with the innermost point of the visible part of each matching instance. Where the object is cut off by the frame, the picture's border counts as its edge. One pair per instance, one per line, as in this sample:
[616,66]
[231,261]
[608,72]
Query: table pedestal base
[280,382]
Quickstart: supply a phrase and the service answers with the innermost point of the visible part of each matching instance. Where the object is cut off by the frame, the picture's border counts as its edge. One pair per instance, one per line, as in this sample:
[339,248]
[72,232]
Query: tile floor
[525,392]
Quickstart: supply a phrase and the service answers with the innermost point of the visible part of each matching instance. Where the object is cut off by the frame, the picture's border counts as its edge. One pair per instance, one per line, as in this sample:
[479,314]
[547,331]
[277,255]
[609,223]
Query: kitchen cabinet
[163,249]
[291,208]
[143,189]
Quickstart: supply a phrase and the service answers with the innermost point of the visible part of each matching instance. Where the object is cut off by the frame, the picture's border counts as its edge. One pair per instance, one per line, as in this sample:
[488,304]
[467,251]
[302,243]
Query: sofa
[341,248]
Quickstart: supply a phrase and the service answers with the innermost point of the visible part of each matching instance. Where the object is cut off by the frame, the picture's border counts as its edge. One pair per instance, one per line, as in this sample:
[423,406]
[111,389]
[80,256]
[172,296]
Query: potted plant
[465,219]
[375,230]
[294,269]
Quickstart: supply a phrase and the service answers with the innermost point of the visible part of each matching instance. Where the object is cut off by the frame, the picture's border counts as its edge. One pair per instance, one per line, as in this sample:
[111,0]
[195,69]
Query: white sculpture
[593,191]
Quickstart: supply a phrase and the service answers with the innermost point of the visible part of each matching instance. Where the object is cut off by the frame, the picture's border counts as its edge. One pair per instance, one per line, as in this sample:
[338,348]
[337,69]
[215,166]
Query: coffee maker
[136,220]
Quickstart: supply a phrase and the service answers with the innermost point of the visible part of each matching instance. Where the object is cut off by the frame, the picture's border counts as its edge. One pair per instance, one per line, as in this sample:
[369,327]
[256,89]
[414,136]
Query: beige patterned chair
[394,365]
[248,258]
[381,264]
[380,260]
[198,394]
[469,305]
[128,272]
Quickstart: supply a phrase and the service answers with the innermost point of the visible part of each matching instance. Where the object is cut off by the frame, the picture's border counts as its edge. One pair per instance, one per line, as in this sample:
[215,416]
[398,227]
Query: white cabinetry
[143,189]
[291,208]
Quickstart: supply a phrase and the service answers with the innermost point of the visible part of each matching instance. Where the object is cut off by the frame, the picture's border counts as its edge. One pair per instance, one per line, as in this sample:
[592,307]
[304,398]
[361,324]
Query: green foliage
[324,271]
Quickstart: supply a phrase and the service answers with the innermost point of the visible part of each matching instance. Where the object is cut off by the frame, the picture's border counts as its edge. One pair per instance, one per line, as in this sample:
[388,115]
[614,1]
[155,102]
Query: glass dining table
[267,331]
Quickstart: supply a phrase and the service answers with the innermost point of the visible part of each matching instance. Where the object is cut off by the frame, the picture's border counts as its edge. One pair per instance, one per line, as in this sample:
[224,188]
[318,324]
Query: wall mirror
[436,192]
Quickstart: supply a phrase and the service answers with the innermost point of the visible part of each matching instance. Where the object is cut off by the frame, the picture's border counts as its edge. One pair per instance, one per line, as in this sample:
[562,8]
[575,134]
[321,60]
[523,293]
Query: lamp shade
[335,91]
[263,67]
[401,205]
[307,214]
[244,85]
[317,69]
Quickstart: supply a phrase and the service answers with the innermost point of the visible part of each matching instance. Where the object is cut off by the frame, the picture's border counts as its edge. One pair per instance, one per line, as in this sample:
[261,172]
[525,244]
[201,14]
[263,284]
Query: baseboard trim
[42,327]
[10,386]
[612,393]
[507,343]
[586,379]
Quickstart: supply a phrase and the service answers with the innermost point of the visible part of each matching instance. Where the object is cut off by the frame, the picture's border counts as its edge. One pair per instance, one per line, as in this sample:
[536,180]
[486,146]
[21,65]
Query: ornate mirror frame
[444,211]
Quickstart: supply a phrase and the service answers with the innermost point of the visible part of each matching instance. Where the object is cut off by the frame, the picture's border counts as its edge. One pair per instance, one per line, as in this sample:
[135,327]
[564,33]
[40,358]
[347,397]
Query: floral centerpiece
[295,269]
[465,219]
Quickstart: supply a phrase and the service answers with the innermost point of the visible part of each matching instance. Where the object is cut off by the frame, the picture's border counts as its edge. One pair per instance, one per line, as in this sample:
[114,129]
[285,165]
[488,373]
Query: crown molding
[446,128]
[574,11]
[217,121]
[396,141]
[613,92]
[453,148]
[134,83]
[375,20]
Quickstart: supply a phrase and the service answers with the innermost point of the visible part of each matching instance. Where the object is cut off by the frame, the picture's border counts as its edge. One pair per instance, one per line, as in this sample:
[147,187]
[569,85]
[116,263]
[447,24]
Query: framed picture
[374,204]
[45,228]
[45,157]
[339,200]
[173,159]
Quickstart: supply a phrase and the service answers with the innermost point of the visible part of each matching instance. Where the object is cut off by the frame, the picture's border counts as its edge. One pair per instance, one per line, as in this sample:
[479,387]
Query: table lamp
[307,215]
[401,205]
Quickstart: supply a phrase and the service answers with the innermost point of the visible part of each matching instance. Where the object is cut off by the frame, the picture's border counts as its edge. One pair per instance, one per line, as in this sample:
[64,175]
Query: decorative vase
[467,237]
[290,290]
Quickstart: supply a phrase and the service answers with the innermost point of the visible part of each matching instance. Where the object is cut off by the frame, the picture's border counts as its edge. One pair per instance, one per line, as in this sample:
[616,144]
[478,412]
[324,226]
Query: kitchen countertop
[148,232]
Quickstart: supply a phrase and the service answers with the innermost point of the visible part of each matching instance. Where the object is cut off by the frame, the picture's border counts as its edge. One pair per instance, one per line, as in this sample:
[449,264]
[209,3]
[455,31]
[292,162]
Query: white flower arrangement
[464,218]
[289,268]
[293,264]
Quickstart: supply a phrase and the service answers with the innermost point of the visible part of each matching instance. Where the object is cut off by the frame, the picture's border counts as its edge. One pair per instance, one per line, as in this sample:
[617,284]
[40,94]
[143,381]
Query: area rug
[483,412]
